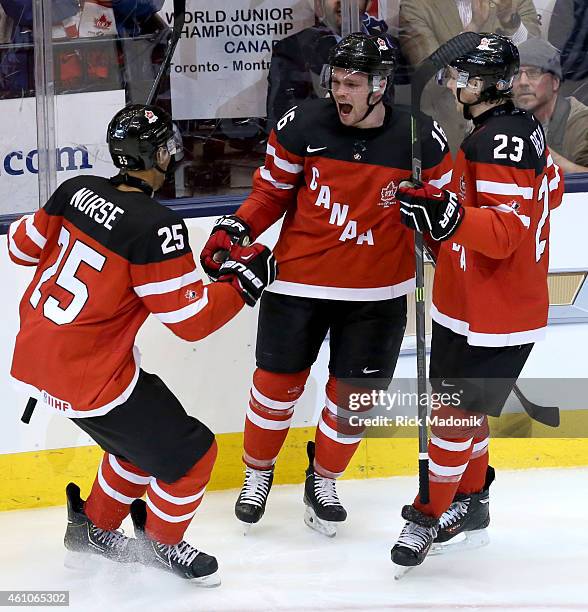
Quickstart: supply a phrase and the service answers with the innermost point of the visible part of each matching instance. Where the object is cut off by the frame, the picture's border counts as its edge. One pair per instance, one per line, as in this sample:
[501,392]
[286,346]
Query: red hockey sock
[271,406]
[117,484]
[474,477]
[336,440]
[450,450]
[170,507]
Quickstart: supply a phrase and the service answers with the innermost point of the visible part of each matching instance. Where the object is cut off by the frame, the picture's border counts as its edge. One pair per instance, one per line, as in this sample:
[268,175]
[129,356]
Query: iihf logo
[389,195]
[151,116]
[191,295]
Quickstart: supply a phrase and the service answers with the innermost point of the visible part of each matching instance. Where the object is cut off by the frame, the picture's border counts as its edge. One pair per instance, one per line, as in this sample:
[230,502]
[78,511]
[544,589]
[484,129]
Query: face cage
[326,79]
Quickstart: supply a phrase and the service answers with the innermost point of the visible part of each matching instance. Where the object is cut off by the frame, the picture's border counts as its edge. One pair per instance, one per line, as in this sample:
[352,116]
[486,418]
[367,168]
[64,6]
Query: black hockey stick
[28,411]
[179,19]
[445,55]
[548,415]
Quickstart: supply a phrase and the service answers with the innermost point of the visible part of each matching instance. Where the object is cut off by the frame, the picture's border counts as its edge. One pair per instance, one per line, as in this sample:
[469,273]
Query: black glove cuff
[449,231]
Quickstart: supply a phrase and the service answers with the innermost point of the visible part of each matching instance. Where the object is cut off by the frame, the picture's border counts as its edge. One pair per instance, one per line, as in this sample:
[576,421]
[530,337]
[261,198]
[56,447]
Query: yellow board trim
[38,479]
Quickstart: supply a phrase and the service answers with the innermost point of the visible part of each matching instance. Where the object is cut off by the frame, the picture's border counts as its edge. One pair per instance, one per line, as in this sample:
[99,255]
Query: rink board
[37,479]
[212,379]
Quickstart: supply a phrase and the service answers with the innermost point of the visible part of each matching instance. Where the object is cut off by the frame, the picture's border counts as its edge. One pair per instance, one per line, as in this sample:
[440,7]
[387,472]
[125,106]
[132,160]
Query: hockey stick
[445,55]
[548,415]
[179,19]
[28,411]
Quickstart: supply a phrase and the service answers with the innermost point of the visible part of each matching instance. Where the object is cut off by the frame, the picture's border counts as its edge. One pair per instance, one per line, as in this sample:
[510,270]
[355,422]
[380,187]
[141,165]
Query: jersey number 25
[67,279]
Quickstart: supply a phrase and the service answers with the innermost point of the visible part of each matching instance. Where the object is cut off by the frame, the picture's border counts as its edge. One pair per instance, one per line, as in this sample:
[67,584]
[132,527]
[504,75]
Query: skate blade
[471,541]
[326,528]
[401,570]
[246,527]
[207,582]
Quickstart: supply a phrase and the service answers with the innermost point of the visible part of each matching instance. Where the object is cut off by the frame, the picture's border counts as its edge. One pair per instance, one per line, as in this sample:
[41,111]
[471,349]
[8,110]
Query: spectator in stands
[6,26]
[297,60]
[17,63]
[568,31]
[564,119]
[424,25]
[136,17]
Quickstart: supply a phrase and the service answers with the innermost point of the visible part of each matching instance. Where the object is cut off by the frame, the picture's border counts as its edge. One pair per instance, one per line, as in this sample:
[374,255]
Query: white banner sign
[81,121]
[221,63]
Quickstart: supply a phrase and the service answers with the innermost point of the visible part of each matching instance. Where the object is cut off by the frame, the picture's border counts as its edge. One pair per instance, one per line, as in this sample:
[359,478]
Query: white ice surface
[537,559]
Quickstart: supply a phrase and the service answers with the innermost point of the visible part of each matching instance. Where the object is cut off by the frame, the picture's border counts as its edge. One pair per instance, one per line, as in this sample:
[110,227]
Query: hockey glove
[426,208]
[226,232]
[250,270]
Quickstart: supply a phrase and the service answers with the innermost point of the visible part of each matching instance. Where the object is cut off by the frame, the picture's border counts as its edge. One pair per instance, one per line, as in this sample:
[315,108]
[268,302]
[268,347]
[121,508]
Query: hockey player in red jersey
[106,256]
[490,297]
[346,264]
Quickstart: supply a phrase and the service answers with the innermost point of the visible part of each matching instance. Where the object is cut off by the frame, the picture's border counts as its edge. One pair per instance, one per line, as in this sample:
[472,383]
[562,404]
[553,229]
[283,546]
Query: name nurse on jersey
[96,207]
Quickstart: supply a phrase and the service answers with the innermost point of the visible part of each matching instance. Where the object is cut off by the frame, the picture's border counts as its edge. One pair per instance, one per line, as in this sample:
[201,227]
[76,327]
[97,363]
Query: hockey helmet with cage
[136,133]
[495,60]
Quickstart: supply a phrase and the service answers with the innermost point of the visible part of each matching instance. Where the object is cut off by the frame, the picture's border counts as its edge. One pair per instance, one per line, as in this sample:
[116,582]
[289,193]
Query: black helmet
[374,55]
[495,60]
[136,133]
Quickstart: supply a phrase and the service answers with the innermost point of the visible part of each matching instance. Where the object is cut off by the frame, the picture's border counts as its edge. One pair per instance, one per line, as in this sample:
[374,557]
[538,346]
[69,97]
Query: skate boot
[250,504]
[323,508]
[181,559]
[414,541]
[82,537]
[468,514]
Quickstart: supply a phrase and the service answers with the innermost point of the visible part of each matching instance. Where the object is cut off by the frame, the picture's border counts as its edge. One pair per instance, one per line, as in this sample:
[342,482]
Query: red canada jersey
[105,259]
[491,278]
[341,237]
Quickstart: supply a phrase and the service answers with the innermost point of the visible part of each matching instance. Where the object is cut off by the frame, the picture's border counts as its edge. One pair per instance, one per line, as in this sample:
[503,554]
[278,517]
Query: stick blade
[455,47]
[445,55]
[546,415]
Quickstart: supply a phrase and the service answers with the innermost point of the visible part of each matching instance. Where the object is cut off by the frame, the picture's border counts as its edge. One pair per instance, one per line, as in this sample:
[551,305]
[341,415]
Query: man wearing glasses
[565,120]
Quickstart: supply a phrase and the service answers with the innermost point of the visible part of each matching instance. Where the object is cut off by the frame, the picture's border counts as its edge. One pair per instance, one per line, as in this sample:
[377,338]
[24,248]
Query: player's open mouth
[345,109]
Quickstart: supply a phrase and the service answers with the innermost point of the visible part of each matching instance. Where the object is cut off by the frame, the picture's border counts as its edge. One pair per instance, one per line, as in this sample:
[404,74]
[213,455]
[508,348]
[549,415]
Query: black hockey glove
[426,208]
[250,270]
[226,232]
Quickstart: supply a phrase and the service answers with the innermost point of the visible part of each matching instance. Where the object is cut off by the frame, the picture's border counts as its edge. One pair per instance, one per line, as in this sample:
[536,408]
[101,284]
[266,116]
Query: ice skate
[250,504]
[468,515]
[414,541]
[83,539]
[323,508]
[181,559]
